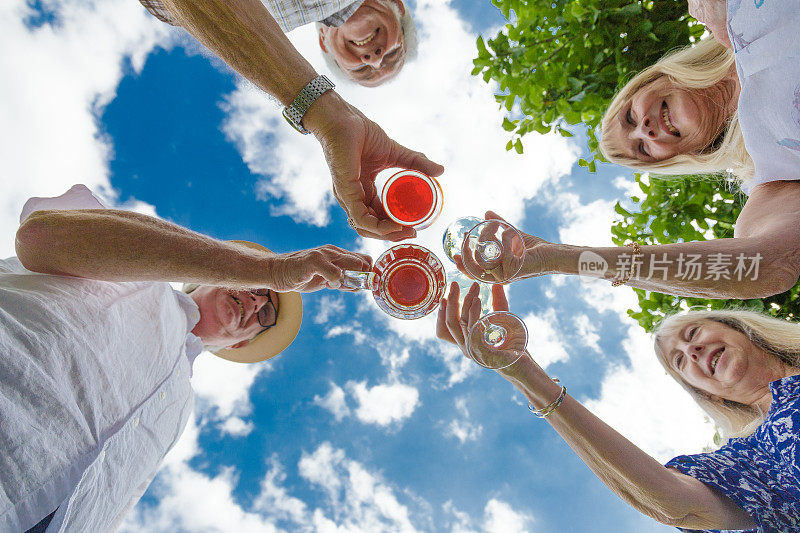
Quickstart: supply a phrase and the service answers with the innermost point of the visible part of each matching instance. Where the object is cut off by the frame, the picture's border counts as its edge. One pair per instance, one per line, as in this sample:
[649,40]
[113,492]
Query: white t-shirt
[94,389]
[766,37]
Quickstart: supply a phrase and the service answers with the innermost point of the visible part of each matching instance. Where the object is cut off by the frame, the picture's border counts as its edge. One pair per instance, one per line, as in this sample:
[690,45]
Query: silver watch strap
[293,113]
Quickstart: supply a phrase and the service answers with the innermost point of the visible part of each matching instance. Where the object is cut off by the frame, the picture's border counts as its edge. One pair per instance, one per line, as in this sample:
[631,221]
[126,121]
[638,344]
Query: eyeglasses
[263,314]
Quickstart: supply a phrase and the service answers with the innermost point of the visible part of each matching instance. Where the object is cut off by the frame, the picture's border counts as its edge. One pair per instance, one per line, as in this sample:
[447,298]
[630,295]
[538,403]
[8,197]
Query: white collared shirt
[94,389]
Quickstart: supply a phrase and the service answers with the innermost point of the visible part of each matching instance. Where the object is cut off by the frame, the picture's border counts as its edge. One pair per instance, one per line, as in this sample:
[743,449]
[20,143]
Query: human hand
[712,13]
[314,269]
[523,259]
[356,149]
[454,326]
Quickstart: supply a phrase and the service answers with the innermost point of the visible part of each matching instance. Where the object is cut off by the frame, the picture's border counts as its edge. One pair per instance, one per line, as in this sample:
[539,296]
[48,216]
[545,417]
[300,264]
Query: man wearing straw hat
[96,349]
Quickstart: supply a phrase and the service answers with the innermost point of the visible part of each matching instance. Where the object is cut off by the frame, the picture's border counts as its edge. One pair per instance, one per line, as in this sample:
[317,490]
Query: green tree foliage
[558,63]
[561,61]
[683,209]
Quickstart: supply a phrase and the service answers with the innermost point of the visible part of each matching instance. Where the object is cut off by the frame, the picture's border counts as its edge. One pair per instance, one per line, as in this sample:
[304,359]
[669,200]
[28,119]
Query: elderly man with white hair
[96,349]
[367,40]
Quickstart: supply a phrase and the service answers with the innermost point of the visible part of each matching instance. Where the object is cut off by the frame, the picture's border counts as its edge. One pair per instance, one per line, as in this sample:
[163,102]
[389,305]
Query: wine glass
[455,233]
[407,281]
[497,340]
[492,251]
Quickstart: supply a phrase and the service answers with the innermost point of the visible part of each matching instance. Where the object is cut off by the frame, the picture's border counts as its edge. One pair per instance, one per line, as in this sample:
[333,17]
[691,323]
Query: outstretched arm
[662,493]
[114,245]
[244,35]
[762,259]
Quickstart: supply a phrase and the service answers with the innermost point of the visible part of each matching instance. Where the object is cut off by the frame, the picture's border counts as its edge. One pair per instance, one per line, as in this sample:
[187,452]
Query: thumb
[417,161]
[499,300]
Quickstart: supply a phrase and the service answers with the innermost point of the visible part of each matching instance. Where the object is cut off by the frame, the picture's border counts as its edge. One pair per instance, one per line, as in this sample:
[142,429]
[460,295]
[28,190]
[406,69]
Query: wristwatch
[293,113]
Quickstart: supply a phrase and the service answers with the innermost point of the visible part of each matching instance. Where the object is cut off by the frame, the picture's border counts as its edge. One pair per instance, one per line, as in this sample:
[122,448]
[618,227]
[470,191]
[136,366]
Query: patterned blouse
[761,472]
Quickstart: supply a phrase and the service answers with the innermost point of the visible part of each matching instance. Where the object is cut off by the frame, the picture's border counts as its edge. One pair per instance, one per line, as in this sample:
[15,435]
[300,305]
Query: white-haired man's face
[369,47]
[232,318]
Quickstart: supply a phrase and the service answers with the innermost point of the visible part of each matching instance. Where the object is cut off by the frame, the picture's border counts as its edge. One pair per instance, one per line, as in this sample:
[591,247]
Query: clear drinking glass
[407,281]
[497,340]
[412,198]
[492,251]
[454,235]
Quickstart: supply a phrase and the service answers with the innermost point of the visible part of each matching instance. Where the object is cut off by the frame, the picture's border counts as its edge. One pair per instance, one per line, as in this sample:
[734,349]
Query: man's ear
[322,40]
[240,344]
[401,5]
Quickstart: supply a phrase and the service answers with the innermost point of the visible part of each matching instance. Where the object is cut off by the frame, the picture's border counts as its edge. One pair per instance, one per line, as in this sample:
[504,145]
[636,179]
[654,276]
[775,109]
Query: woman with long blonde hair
[681,116]
[741,367]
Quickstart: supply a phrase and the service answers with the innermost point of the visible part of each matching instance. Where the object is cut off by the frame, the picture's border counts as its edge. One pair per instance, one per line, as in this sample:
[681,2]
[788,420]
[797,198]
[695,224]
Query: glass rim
[435,208]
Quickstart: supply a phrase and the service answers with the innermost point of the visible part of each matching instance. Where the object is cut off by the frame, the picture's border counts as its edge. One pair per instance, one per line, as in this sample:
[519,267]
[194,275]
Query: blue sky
[365,423]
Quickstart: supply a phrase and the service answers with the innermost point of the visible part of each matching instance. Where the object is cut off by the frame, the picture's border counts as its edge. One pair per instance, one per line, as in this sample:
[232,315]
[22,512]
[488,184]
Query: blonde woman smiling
[741,367]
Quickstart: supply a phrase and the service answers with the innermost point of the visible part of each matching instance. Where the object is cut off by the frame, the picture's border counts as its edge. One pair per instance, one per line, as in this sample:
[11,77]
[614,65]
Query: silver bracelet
[547,410]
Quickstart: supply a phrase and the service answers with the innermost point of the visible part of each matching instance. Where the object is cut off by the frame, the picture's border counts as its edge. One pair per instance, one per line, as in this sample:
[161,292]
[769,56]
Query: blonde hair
[779,338]
[694,67]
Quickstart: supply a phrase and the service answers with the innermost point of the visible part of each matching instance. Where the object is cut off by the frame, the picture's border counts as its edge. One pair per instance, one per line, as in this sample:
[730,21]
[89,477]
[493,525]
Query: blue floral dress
[761,472]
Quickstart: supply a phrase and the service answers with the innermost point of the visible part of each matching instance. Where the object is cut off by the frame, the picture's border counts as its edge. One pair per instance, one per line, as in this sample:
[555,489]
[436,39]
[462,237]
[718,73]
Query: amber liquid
[408,285]
[409,198]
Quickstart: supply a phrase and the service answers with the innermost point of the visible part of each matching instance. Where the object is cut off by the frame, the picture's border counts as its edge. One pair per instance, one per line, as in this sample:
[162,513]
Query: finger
[491,215]
[471,267]
[460,264]
[468,306]
[364,219]
[488,230]
[442,331]
[499,300]
[451,314]
[410,159]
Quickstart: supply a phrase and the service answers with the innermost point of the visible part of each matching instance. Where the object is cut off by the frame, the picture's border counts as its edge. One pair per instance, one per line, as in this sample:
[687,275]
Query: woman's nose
[645,129]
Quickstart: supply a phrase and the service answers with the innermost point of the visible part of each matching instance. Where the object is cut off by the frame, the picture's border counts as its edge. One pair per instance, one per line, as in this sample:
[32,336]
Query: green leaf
[518,146]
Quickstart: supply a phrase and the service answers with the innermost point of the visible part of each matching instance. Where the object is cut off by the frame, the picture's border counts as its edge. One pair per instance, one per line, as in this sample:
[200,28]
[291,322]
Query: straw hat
[274,340]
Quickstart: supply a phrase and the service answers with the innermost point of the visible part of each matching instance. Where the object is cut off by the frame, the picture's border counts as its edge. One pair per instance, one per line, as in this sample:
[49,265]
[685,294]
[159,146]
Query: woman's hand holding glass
[466,328]
[494,251]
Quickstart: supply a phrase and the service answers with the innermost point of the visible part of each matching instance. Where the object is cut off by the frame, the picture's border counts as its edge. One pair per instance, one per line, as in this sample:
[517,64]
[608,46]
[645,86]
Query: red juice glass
[407,281]
[412,198]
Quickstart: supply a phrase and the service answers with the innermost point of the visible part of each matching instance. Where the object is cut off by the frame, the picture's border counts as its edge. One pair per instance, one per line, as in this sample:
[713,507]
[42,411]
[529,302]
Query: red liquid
[408,285]
[409,198]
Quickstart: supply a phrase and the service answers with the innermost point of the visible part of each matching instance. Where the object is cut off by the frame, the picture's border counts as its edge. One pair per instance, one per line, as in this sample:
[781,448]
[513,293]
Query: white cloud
[640,401]
[53,85]
[545,341]
[222,388]
[587,332]
[502,518]
[236,427]
[334,402]
[463,429]
[359,500]
[274,499]
[358,336]
[328,307]
[384,404]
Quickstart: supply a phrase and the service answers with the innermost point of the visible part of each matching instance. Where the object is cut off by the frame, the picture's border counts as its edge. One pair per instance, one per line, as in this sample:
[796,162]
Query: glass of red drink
[407,281]
[412,198]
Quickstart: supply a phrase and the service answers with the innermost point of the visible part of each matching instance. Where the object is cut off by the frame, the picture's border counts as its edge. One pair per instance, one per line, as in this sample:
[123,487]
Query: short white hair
[410,40]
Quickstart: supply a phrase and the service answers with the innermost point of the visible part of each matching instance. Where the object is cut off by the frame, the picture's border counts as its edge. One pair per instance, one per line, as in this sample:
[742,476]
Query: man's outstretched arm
[114,245]
[244,35]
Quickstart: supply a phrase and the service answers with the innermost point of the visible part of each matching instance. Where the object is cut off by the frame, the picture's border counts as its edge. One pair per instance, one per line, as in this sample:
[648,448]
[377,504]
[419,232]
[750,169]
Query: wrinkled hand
[356,149]
[712,13]
[314,269]
[532,253]
[454,327]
